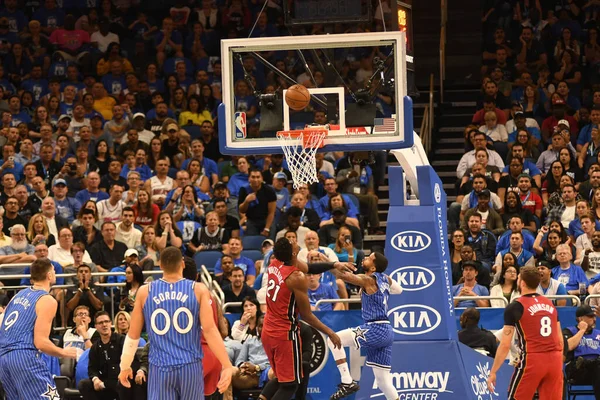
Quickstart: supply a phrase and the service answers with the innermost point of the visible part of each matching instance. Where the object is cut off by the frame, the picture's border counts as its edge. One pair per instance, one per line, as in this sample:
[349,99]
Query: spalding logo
[413,278]
[437,193]
[410,241]
[414,319]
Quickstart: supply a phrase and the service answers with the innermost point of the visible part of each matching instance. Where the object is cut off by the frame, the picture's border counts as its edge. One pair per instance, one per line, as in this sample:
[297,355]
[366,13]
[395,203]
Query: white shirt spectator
[145,136]
[498,134]
[468,159]
[132,239]
[72,339]
[64,257]
[529,123]
[302,230]
[104,41]
[108,212]
[465,205]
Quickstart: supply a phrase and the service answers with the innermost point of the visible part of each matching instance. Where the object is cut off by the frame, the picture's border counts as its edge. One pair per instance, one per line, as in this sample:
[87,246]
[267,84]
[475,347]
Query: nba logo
[240,125]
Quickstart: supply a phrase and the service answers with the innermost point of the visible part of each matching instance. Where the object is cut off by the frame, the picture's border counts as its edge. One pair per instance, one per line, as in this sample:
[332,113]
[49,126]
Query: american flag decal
[384,125]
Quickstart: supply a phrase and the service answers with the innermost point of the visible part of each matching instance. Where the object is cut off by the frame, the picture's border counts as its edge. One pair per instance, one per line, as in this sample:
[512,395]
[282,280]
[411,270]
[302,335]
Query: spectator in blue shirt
[246,264]
[280,186]
[567,273]
[50,16]
[239,179]
[470,287]
[318,291]
[36,84]
[168,42]
[18,116]
[9,164]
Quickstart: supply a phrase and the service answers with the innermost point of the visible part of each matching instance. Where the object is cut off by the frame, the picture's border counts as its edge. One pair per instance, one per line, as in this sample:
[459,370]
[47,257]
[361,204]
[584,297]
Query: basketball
[297,97]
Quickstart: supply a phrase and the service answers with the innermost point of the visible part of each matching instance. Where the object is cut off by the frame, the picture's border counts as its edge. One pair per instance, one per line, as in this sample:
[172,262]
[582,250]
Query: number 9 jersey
[172,319]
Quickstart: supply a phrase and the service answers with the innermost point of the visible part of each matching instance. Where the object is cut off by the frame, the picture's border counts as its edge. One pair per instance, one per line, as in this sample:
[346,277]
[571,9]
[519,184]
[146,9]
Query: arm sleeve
[319,268]
[513,313]
[93,365]
[561,290]
[243,356]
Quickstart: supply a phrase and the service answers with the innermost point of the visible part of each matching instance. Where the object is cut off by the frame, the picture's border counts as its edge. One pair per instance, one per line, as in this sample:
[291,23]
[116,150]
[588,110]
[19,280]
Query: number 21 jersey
[281,320]
[172,319]
[534,318]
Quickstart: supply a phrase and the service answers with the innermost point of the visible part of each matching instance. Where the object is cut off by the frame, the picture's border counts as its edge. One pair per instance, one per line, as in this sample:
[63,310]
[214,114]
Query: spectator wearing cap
[585,135]
[567,273]
[470,201]
[170,146]
[468,159]
[520,122]
[490,219]
[66,207]
[221,191]
[139,124]
[294,215]
[549,286]
[530,200]
[470,288]
[583,358]
[257,204]
[131,256]
[559,117]
[279,185]
[62,126]
[560,140]
[472,335]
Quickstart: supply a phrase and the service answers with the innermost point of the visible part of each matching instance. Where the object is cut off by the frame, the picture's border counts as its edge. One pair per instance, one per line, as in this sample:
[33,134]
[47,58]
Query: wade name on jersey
[182,297]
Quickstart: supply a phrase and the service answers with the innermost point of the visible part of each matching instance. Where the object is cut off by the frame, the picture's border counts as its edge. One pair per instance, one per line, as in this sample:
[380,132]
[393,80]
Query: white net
[300,148]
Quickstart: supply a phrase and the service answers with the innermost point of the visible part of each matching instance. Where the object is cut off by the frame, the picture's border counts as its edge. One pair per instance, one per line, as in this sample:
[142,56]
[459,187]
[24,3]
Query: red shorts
[538,371]
[285,357]
[211,368]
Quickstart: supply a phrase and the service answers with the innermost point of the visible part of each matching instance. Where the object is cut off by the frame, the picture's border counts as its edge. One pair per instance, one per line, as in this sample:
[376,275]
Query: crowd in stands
[110,153]
[528,189]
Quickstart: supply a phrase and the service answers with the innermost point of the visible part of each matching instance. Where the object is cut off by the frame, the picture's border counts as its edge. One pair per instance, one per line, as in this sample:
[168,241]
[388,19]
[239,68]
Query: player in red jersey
[540,341]
[286,297]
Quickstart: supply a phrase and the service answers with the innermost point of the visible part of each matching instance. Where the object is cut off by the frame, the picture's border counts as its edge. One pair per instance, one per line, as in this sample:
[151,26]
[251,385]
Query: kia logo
[414,319]
[413,278]
[410,241]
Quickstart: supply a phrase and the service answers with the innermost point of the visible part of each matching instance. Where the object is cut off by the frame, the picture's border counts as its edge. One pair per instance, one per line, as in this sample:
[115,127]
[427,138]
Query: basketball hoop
[300,147]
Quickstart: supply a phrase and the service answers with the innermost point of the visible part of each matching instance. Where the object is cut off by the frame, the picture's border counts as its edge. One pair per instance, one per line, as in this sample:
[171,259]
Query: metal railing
[475,298]
[444,23]
[327,301]
[575,299]
[427,122]
[231,304]
[590,297]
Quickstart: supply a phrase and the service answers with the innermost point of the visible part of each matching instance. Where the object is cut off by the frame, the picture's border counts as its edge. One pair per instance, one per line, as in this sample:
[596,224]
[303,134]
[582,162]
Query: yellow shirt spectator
[105,106]
[196,118]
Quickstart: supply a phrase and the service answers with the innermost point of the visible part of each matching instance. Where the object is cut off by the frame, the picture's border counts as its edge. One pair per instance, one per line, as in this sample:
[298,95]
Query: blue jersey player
[171,308]
[375,335]
[25,332]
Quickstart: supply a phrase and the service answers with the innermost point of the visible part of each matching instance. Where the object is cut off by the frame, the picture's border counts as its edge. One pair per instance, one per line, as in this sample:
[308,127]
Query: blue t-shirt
[570,277]
[243,262]
[533,131]
[585,134]
[504,241]
[57,269]
[68,208]
[17,170]
[322,292]
[236,182]
[575,229]
[39,88]
[20,117]
[114,85]
[528,168]
[283,197]
[84,195]
[478,290]
[209,166]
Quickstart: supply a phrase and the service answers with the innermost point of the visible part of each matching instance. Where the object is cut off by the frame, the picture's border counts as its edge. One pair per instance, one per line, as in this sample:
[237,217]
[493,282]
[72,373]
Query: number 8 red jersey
[281,319]
[535,320]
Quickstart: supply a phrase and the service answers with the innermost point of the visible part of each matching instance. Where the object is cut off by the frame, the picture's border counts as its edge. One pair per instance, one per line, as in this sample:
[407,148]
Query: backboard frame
[334,141]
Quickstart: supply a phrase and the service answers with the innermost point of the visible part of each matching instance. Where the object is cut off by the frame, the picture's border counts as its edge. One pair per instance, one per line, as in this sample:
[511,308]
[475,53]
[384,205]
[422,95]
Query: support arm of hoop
[410,159]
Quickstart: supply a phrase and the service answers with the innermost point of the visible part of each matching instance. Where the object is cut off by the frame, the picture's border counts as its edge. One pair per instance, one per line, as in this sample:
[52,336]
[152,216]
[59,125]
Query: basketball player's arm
[320,267]
[222,323]
[561,341]
[133,337]
[298,284]
[45,309]
[213,336]
[512,315]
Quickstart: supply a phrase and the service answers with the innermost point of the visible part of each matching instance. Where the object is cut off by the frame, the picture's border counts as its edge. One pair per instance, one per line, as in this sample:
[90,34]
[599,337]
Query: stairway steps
[459,151]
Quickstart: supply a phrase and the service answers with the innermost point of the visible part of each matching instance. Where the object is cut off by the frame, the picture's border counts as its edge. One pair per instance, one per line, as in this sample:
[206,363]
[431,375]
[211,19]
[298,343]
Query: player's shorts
[285,357]
[25,375]
[176,382]
[212,370]
[377,339]
[538,371]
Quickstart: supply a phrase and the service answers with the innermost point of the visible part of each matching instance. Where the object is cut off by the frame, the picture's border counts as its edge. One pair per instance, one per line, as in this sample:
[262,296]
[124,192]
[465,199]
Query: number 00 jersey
[534,318]
[281,320]
[172,319]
